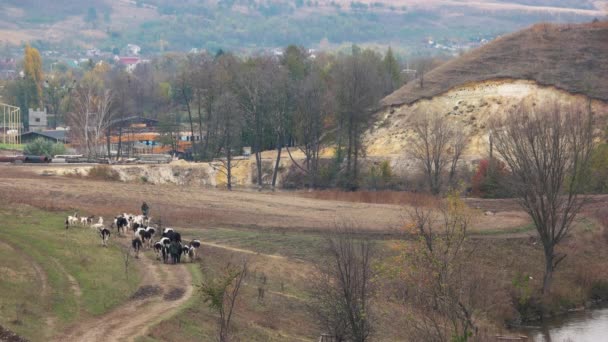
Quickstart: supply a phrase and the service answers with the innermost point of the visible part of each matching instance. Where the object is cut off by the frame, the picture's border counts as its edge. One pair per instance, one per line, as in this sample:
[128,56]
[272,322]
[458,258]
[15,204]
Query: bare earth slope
[570,57]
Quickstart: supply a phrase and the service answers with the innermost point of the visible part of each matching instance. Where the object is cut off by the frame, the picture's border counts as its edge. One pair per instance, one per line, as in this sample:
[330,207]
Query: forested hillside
[246,25]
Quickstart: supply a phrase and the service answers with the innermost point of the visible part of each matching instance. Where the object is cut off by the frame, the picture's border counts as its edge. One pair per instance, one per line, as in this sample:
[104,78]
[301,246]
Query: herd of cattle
[169,247]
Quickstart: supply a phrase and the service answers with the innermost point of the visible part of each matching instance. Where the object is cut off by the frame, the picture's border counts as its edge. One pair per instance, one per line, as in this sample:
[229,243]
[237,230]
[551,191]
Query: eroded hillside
[472,104]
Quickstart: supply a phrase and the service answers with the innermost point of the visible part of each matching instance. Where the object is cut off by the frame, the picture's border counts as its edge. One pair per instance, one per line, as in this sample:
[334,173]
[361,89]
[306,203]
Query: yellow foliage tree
[32,68]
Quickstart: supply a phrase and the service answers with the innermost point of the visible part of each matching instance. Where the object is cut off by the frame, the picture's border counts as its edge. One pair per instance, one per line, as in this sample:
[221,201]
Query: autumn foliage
[488,181]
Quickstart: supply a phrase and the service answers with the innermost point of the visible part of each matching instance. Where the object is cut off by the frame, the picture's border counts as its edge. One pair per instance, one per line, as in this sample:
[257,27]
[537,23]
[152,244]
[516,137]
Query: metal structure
[11,124]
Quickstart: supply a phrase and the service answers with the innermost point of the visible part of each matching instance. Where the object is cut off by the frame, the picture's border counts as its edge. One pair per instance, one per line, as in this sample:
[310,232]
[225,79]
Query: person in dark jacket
[175,249]
[145,209]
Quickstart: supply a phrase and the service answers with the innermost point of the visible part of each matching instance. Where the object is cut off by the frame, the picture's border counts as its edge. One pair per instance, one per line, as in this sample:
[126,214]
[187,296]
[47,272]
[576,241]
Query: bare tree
[423,65]
[91,116]
[436,144]
[279,109]
[308,123]
[546,146]
[252,87]
[342,295]
[184,95]
[435,271]
[221,294]
[230,125]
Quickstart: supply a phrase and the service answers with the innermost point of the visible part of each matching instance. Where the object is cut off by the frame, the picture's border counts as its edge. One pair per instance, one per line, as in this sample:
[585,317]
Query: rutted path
[43,279]
[133,318]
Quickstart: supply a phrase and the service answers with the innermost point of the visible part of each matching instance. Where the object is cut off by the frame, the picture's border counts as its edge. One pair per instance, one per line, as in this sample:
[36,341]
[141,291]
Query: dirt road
[157,298]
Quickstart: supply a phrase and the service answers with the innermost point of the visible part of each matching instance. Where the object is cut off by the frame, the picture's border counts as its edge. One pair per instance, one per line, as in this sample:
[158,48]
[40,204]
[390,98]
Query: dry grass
[375,197]
[570,57]
[275,223]
[104,173]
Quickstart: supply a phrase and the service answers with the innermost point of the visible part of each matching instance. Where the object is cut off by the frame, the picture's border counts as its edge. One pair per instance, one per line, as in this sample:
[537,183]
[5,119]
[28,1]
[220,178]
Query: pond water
[583,326]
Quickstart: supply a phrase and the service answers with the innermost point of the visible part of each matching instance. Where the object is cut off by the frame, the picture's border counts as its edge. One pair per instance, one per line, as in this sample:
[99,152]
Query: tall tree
[309,120]
[357,81]
[253,91]
[184,95]
[27,92]
[547,146]
[230,126]
[392,71]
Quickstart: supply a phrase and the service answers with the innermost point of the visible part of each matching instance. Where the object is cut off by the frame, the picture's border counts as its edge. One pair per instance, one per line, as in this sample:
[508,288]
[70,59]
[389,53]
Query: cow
[105,235]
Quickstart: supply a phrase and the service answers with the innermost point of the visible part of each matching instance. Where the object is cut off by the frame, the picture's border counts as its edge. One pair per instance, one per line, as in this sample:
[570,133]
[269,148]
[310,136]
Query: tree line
[293,101]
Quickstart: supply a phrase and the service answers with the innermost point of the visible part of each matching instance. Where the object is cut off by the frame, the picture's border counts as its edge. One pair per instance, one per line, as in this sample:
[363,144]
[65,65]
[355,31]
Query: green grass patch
[41,238]
[294,245]
[18,147]
[515,230]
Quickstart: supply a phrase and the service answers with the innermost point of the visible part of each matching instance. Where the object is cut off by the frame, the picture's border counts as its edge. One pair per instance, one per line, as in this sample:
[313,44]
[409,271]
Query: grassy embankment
[51,278]
[285,260]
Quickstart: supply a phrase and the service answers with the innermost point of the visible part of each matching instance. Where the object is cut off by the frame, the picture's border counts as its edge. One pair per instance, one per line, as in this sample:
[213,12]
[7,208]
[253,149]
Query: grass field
[281,235]
[74,276]
[18,147]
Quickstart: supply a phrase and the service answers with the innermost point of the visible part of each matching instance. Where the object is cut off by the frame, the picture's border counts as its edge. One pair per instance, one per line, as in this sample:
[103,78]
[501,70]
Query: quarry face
[472,104]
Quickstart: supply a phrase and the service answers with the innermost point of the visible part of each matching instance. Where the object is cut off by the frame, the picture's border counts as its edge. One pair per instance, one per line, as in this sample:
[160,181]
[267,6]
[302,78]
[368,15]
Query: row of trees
[270,103]
[229,102]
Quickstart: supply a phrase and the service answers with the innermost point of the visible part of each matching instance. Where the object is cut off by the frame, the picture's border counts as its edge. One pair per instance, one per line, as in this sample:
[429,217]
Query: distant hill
[561,63]
[249,25]
[573,58]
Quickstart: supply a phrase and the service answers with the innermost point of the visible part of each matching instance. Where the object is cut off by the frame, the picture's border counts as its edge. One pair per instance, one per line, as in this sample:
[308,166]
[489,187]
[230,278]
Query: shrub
[103,172]
[43,147]
[597,172]
[599,290]
[380,176]
[489,179]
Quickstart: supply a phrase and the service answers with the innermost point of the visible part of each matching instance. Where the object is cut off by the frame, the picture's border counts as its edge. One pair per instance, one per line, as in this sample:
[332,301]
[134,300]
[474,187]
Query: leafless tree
[279,109]
[546,146]
[437,143]
[230,125]
[221,293]
[308,123]
[91,116]
[343,291]
[422,66]
[441,291]
[253,91]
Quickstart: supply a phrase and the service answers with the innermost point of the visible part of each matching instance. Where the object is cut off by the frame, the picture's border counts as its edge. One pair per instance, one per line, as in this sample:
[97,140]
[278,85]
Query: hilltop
[544,62]
[573,58]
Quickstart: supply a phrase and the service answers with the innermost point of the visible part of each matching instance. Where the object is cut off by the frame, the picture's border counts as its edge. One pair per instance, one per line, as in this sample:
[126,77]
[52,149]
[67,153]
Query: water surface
[583,326]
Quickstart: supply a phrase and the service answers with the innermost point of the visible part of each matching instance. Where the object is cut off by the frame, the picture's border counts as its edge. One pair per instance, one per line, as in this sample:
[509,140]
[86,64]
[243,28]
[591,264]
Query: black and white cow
[105,235]
[158,249]
[72,220]
[121,224]
[194,246]
[165,241]
[136,244]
